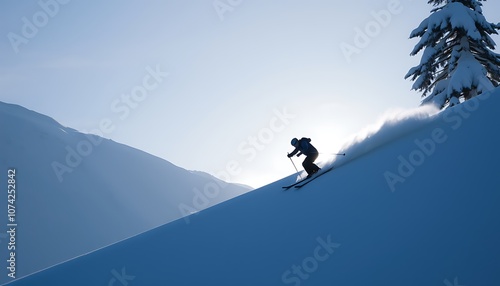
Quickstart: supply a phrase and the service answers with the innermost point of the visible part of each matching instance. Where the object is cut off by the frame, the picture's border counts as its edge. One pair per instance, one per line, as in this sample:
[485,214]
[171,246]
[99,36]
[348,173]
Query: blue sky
[217,86]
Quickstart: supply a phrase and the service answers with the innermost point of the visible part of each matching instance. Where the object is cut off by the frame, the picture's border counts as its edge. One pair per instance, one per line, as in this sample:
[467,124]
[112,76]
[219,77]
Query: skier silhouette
[303,146]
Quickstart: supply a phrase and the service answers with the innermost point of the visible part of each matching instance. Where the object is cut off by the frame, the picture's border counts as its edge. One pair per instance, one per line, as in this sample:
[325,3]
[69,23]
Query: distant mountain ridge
[78,192]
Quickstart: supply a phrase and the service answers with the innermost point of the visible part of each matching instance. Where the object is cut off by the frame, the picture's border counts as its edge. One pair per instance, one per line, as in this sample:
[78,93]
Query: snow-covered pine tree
[457,61]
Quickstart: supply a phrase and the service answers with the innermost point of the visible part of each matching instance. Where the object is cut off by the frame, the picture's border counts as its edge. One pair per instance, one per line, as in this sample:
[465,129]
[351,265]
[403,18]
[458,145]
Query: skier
[303,146]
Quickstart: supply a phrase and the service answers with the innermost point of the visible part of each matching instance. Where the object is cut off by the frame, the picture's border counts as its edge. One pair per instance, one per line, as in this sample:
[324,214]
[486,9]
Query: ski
[298,185]
[305,181]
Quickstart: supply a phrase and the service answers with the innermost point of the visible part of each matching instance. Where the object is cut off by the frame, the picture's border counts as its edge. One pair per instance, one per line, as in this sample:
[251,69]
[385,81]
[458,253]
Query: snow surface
[438,223]
[110,191]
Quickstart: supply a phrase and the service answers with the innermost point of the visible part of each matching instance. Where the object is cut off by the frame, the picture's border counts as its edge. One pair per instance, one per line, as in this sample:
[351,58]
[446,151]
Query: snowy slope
[78,192]
[418,207]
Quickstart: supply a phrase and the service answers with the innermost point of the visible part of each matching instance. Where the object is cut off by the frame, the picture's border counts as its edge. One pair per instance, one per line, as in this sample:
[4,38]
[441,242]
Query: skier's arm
[293,153]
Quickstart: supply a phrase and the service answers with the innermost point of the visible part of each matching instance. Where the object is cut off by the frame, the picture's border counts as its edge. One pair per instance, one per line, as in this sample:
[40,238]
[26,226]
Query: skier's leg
[314,167]
[308,165]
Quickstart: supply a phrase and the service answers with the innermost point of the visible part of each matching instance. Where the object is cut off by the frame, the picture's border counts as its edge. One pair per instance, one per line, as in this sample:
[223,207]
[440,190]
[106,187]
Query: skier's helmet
[294,142]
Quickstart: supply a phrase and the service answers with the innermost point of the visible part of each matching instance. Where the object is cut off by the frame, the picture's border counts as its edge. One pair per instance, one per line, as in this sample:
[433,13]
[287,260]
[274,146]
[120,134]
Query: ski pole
[335,154]
[294,165]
